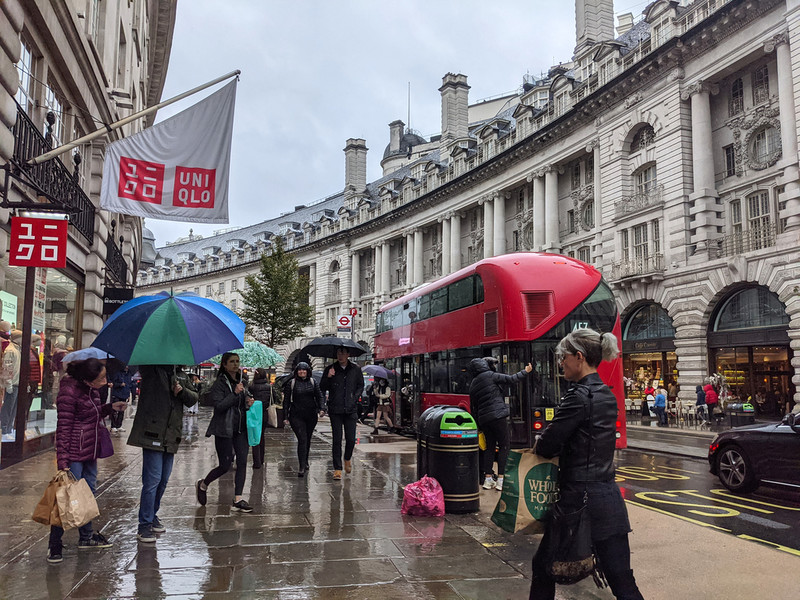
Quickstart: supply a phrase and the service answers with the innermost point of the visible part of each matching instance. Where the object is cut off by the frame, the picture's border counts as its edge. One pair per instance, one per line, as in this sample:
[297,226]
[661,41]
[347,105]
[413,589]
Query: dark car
[745,457]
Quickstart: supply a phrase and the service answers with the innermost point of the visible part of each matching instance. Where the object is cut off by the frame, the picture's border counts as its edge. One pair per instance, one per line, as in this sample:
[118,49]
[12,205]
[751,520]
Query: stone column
[538,210]
[355,277]
[551,233]
[410,258]
[499,224]
[312,284]
[488,226]
[419,273]
[705,209]
[378,266]
[445,220]
[455,242]
[788,120]
[386,276]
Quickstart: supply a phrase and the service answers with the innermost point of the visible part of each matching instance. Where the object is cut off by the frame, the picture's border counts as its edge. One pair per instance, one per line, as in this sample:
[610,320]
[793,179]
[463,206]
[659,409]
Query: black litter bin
[447,450]
[741,414]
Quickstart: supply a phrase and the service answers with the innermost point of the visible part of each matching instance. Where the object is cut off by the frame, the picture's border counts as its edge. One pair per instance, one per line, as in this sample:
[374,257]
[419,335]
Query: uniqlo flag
[176,170]
[38,242]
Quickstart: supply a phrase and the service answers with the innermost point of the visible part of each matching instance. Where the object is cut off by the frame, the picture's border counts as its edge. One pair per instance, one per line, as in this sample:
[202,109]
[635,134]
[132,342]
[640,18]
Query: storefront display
[54,325]
[648,351]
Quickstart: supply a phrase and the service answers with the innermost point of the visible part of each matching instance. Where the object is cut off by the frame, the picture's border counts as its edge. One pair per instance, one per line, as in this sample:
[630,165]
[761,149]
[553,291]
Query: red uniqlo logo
[140,180]
[38,242]
[194,187]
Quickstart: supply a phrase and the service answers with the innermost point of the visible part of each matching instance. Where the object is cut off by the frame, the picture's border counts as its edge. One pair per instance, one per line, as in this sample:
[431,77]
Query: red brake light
[619,424]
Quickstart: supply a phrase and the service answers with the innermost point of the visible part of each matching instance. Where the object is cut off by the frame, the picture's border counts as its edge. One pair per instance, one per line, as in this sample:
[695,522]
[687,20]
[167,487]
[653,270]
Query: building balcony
[648,266]
[742,242]
[635,203]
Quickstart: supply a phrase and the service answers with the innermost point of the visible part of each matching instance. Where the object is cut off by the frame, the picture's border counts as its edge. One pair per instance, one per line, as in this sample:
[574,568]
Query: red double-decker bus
[515,308]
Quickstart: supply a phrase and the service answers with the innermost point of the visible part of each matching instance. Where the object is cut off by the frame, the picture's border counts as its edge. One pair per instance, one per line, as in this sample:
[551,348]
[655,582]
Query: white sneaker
[120,429]
[499,484]
[488,483]
[113,430]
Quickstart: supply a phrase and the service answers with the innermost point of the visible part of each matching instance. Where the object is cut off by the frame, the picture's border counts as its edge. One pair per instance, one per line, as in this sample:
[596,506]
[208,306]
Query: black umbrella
[326,347]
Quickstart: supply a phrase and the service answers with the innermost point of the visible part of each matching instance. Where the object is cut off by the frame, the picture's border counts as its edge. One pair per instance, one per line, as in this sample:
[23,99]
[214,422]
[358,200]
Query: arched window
[643,138]
[649,322]
[334,266]
[736,100]
[752,308]
[765,147]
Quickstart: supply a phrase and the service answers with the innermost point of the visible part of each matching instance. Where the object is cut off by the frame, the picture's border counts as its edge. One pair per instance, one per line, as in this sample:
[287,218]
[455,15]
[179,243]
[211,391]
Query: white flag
[176,170]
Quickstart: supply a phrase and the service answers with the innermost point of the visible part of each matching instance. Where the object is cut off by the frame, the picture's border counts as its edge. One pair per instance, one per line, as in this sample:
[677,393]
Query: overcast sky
[317,72]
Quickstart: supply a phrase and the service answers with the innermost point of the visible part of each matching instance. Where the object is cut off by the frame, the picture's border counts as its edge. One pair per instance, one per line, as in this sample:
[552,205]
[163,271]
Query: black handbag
[570,555]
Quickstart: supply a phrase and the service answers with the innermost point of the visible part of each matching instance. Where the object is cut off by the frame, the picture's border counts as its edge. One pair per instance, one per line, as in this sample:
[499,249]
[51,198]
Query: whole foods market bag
[530,488]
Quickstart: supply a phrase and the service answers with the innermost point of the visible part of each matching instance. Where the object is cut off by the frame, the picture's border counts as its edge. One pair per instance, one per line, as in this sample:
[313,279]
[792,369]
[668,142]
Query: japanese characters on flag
[176,170]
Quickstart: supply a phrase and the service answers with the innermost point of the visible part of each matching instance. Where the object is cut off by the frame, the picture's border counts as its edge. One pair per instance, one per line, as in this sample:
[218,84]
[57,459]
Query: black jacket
[303,399]
[343,388]
[229,409]
[158,424]
[261,389]
[485,394]
[568,434]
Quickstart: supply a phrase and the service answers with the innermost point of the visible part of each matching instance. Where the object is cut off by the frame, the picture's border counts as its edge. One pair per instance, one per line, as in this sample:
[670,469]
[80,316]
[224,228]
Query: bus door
[407,408]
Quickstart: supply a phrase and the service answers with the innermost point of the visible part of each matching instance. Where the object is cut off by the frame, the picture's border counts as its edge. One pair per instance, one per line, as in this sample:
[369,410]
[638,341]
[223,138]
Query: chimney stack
[594,22]
[625,23]
[455,107]
[355,165]
[396,131]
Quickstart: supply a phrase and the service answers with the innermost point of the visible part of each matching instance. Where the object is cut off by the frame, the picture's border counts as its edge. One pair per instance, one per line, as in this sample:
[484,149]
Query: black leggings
[226,448]
[496,433]
[614,556]
[303,429]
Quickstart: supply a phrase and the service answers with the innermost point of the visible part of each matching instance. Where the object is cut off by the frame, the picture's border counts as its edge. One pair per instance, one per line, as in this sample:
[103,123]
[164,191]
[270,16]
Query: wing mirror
[793,421]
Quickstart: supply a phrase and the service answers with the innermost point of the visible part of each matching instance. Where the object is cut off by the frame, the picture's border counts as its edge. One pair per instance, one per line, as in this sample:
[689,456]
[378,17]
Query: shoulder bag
[570,554]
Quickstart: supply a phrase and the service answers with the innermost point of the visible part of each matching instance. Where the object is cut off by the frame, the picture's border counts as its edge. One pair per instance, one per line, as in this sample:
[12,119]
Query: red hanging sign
[38,242]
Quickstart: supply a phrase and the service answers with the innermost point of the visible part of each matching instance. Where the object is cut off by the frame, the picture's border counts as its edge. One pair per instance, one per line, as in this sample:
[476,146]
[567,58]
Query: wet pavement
[314,537]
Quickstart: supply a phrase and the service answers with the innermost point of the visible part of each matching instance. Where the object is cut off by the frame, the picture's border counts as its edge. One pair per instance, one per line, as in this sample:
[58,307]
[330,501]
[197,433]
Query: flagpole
[116,125]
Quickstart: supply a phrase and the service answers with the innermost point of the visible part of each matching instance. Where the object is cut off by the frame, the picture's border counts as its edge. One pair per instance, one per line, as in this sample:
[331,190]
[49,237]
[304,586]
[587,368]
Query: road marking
[681,470]
[727,494]
[699,495]
[726,512]
[690,520]
[642,474]
[773,544]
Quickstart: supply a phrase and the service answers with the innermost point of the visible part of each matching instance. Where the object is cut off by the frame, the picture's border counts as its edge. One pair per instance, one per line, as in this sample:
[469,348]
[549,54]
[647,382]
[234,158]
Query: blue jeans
[9,411]
[661,413]
[81,470]
[156,469]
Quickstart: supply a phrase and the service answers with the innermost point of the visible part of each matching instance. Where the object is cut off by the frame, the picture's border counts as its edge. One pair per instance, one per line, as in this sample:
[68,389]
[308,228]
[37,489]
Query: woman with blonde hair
[583,435]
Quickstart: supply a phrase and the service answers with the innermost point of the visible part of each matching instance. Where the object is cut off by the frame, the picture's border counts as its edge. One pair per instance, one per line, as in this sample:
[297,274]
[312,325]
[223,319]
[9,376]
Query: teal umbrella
[254,355]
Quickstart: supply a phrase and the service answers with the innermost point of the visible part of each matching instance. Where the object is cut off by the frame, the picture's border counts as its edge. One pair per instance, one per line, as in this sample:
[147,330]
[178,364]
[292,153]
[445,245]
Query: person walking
[700,404]
[303,404]
[121,385]
[78,429]
[383,405]
[231,402]
[583,435]
[261,390]
[344,383]
[712,402]
[158,429]
[487,398]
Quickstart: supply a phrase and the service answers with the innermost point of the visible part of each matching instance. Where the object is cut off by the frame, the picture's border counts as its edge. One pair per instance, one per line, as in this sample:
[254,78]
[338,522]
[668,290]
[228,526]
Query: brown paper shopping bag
[530,488]
[76,504]
[46,512]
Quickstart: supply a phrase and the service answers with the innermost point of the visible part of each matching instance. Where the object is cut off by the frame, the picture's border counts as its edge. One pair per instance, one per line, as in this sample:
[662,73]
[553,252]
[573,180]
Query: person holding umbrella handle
[229,427]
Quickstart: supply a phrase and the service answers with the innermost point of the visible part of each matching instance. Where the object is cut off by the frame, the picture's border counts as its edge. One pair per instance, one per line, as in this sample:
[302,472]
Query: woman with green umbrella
[228,425]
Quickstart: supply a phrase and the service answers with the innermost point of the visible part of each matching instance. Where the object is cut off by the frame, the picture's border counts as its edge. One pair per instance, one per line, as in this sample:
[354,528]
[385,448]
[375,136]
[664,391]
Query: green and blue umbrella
[167,329]
[253,355]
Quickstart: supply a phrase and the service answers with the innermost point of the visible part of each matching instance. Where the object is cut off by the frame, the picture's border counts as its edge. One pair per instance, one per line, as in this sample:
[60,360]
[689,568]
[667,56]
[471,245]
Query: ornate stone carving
[697,88]
[775,41]
[633,99]
[580,200]
[744,127]
[677,74]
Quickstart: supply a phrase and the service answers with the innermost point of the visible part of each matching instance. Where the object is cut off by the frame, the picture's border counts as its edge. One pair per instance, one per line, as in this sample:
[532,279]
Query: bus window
[439,379]
[460,377]
[438,302]
[461,293]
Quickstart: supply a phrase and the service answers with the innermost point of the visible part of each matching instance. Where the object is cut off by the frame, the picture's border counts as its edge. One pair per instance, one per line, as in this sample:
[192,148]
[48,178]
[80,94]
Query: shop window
[649,322]
[752,308]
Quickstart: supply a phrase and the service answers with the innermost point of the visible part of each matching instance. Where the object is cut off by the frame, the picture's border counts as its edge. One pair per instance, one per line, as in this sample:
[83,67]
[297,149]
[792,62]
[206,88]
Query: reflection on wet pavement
[308,537]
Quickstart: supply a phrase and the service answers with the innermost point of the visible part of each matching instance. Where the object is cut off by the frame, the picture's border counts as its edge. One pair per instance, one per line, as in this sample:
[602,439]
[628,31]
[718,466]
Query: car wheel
[735,470]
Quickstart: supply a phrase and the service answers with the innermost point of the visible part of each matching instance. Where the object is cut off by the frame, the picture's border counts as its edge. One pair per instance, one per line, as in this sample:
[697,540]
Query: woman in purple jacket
[80,416]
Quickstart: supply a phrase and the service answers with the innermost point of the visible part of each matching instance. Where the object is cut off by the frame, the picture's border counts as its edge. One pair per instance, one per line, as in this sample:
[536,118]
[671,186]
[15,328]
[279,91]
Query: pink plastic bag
[423,498]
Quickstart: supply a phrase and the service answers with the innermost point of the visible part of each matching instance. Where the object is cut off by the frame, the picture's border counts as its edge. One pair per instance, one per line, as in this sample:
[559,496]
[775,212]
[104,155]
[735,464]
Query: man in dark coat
[157,429]
[344,383]
[491,412]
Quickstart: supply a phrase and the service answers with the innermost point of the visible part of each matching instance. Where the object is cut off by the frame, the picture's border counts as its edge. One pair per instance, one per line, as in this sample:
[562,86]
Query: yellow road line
[727,494]
[690,520]
[699,495]
[786,549]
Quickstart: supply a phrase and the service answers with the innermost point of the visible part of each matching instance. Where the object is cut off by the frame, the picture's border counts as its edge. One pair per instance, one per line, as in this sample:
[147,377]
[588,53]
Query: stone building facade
[67,68]
[665,153]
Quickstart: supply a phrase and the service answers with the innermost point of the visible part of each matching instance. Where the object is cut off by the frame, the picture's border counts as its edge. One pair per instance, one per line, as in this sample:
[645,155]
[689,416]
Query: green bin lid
[460,419]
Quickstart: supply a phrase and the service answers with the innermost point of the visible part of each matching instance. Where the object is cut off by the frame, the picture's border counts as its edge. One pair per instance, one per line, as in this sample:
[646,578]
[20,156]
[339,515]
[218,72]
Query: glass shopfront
[749,348]
[54,328]
[648,351]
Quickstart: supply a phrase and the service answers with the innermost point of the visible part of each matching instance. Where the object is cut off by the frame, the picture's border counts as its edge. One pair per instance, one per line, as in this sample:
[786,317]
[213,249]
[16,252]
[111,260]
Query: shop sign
[8,307]
[113,298]
[39,242]
[39,299]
